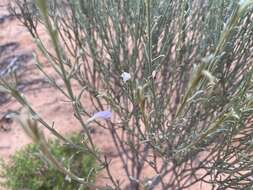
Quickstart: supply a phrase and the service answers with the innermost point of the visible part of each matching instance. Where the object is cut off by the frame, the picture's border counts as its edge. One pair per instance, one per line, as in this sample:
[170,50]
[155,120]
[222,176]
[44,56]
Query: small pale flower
[149,183]
[125,76]
[100,115]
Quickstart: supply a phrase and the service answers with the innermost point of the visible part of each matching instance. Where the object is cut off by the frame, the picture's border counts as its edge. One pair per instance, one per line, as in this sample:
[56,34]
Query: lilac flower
[100,115]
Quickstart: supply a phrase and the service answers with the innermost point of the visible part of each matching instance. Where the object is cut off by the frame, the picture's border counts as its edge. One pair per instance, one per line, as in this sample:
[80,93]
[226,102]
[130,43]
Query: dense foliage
[28,169]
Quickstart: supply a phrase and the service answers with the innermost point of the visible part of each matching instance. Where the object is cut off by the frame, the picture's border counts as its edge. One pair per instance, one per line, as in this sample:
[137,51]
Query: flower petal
[102,115]
[125,76]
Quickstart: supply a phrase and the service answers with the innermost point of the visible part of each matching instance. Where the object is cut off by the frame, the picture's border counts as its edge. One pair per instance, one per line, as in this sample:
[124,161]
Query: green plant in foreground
[29,169]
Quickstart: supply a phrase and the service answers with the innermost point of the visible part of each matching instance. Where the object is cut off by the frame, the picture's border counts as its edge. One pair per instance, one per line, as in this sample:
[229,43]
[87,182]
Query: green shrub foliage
[29,169]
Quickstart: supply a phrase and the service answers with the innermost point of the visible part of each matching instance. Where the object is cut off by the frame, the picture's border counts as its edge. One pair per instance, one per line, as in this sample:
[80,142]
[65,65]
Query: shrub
[28,169]
[177,76]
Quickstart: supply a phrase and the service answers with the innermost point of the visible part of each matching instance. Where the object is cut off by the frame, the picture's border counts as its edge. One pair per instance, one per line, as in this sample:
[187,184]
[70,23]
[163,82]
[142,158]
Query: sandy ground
[46,101]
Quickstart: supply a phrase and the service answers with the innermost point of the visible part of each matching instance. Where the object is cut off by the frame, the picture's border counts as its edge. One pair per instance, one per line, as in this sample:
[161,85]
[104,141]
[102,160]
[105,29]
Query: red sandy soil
[48,102]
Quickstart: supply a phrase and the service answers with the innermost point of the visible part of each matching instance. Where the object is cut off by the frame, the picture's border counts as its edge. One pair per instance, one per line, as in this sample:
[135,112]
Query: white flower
[149,183]
[125,76]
